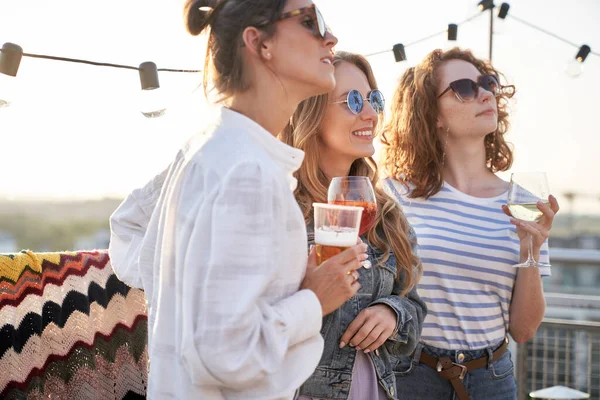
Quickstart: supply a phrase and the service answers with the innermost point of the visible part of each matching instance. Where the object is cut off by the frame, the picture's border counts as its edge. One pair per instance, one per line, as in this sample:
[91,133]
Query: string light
[500,23]
[11,55]
[503,11]
[452,32]
[10,60]
[150,99]
[399,53]
[485,5]
[574,67]
[401,56]
[583,53]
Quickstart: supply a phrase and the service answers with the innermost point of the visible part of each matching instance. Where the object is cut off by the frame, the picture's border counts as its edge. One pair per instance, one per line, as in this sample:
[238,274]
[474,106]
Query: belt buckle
[463,369]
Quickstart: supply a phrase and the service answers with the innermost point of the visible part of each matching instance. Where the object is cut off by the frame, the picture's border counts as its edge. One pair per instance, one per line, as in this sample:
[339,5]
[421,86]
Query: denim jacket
[332,378]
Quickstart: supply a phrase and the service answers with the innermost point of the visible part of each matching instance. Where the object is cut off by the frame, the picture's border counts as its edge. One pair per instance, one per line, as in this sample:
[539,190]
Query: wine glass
[524,191]
[355,191]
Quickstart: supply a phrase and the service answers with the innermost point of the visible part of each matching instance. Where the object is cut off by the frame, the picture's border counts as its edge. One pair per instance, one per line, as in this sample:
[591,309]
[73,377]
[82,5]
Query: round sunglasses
[356,103]
[468,90]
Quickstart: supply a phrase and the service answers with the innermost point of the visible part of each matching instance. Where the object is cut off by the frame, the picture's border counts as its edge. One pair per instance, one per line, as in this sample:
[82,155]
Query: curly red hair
[412,151]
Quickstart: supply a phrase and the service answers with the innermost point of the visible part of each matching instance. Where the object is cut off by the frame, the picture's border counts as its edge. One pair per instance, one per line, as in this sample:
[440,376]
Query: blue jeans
[417,381]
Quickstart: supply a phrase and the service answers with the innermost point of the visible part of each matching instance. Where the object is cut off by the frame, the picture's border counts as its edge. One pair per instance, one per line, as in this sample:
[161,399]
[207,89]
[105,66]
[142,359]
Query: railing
[566,348]
[563,353]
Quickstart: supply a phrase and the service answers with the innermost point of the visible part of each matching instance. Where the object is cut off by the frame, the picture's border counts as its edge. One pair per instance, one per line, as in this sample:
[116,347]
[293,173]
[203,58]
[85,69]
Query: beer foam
[336,236]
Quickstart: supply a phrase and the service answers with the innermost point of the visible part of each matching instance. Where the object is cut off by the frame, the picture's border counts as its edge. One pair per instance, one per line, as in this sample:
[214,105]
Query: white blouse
[218,243]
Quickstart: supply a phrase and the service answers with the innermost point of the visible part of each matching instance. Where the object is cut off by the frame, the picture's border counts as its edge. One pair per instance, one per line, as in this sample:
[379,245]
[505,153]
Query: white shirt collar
[287,157]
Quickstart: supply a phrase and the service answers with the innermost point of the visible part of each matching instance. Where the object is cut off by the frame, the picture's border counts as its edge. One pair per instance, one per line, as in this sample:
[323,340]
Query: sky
[75,131]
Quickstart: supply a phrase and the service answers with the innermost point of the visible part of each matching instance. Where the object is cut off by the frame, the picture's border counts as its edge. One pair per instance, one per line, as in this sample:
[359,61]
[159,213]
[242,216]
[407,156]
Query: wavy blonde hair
[303,132]
[412,151]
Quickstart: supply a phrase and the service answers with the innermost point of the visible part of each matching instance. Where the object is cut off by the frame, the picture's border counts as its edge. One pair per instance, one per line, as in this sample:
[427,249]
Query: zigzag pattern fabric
[70,329]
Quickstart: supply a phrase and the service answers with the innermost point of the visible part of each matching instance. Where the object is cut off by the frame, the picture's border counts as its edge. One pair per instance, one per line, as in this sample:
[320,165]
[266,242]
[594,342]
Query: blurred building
[98,240]
[8,244]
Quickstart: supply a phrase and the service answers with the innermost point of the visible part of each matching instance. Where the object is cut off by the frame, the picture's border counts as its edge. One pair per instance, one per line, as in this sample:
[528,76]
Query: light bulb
[10,59]
[7,90]
[574,68]
[152,103]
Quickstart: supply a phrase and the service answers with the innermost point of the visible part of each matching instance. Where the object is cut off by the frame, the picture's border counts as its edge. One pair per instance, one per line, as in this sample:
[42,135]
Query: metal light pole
[488,5]
[491,31]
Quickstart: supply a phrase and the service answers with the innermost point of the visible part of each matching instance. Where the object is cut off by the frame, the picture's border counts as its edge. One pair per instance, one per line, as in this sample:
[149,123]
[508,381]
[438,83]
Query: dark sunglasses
[468,90]
[355,101]
[317,23]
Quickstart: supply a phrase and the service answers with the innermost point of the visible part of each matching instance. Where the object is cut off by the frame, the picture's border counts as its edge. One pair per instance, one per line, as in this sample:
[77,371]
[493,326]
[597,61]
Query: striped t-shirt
[467,246]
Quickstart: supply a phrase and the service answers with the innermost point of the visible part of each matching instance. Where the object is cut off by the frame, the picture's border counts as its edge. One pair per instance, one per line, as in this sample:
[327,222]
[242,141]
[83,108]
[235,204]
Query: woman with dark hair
[384,319]
[218,241]
[443,146]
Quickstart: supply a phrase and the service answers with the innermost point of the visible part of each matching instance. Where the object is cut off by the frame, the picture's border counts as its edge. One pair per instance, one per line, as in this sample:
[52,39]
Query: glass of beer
[355,191]
[336,229]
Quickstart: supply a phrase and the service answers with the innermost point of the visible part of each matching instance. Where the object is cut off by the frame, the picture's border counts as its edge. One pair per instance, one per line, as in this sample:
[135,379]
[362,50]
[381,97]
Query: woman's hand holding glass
[335,280]
[337,254]
[531,213]
[537,231]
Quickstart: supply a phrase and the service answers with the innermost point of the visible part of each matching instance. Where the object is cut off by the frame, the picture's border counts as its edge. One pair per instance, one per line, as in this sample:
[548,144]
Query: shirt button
[377,352]
[392,391]
[461,357]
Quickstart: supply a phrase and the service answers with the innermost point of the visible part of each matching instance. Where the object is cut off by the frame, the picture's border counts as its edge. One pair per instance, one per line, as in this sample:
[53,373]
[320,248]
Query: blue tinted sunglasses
[355,101]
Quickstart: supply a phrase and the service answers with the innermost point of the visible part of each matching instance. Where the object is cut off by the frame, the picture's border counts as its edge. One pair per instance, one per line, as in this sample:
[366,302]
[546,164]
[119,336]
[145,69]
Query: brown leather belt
[456,372]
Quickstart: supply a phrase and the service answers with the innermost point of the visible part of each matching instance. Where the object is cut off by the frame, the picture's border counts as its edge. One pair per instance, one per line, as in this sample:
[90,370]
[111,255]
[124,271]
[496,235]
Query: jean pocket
[503,367]
[402,365]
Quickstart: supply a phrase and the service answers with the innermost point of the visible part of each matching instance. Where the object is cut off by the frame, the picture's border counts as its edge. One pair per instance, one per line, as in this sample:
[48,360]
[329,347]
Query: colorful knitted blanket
[69,329]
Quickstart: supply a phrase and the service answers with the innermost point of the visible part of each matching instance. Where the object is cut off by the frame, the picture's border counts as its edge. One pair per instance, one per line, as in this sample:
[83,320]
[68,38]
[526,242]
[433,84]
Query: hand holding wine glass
[355,191]
[533,209]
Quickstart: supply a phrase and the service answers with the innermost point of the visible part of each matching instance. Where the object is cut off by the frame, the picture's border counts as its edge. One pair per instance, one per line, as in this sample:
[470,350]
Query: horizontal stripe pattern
[467,246]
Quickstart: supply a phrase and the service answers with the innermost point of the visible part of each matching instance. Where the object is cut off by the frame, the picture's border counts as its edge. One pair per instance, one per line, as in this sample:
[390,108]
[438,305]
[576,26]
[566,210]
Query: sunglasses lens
[355,101]
[377,101]
[466,89]
[490,83]
[321,23]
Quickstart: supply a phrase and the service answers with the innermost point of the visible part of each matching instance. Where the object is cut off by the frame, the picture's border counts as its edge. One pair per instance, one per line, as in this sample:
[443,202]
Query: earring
[268,55]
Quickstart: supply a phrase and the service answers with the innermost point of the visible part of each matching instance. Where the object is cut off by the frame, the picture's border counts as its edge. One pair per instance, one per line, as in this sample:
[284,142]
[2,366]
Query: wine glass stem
[530,260]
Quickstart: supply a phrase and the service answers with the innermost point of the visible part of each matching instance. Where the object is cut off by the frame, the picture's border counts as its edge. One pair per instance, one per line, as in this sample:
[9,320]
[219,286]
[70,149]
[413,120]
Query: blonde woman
[384,318]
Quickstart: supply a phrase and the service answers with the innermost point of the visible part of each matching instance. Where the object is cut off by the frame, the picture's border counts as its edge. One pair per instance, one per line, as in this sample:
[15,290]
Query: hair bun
[198,15]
